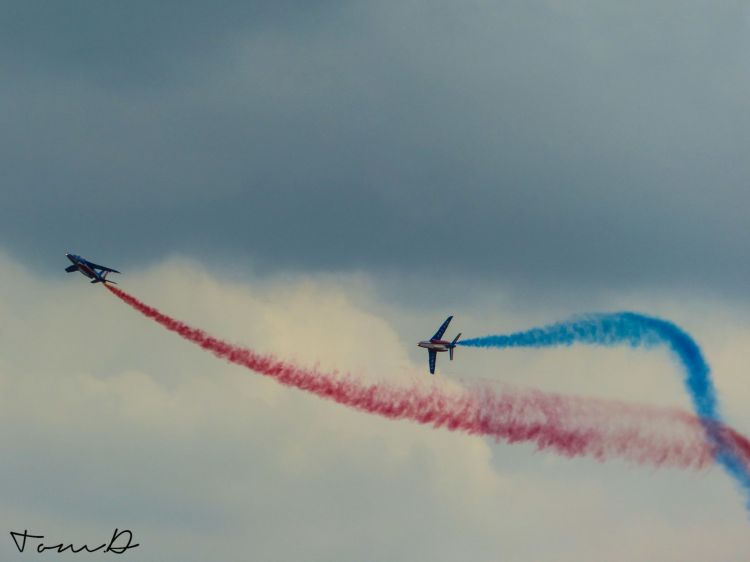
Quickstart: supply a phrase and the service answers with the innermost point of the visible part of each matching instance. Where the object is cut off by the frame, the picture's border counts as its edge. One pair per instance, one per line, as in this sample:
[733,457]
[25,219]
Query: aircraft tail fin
[103,279]
[453,345]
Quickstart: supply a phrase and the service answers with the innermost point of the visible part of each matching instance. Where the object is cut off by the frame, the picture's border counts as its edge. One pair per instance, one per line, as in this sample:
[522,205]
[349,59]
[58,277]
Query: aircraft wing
[71,268]
[442,328]
[433,357]
[97,266]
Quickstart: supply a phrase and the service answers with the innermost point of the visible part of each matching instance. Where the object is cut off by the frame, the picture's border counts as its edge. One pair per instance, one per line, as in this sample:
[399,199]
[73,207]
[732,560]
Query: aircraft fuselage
[435,345]
[83,266]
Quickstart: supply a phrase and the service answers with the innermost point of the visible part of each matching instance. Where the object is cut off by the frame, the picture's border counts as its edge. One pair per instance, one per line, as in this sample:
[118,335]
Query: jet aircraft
[435,345]
[97,273]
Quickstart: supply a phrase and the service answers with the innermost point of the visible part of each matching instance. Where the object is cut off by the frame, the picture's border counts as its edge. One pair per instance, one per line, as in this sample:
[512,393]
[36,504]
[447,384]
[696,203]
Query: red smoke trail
[568,425]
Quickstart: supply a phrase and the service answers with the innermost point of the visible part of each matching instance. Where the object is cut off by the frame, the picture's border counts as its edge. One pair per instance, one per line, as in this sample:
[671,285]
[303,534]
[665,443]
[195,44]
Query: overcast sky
[377,165]
[531,144]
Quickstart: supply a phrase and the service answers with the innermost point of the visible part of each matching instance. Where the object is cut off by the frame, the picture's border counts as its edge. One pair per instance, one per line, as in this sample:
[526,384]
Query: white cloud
[107,420]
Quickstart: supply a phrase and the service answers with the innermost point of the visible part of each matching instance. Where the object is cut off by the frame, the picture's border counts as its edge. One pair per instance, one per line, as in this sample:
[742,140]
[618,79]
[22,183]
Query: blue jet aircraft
[97,273]
[435,345]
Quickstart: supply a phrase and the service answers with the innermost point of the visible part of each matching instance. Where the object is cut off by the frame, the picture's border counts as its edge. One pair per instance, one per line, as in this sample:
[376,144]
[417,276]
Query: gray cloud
[537,145]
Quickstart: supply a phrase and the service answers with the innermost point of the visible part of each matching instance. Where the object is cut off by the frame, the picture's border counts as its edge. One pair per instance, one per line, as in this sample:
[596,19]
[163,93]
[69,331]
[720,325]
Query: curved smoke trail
[638,330]
[570,426]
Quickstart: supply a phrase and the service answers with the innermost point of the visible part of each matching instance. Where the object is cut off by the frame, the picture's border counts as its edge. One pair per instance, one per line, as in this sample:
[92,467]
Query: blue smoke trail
[638,330]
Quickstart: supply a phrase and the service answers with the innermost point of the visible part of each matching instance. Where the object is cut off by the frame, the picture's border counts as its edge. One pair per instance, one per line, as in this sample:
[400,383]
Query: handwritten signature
[116,545]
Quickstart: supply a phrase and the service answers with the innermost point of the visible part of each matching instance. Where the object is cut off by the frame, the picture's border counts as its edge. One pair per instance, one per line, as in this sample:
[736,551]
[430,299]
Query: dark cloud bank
[532,144]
